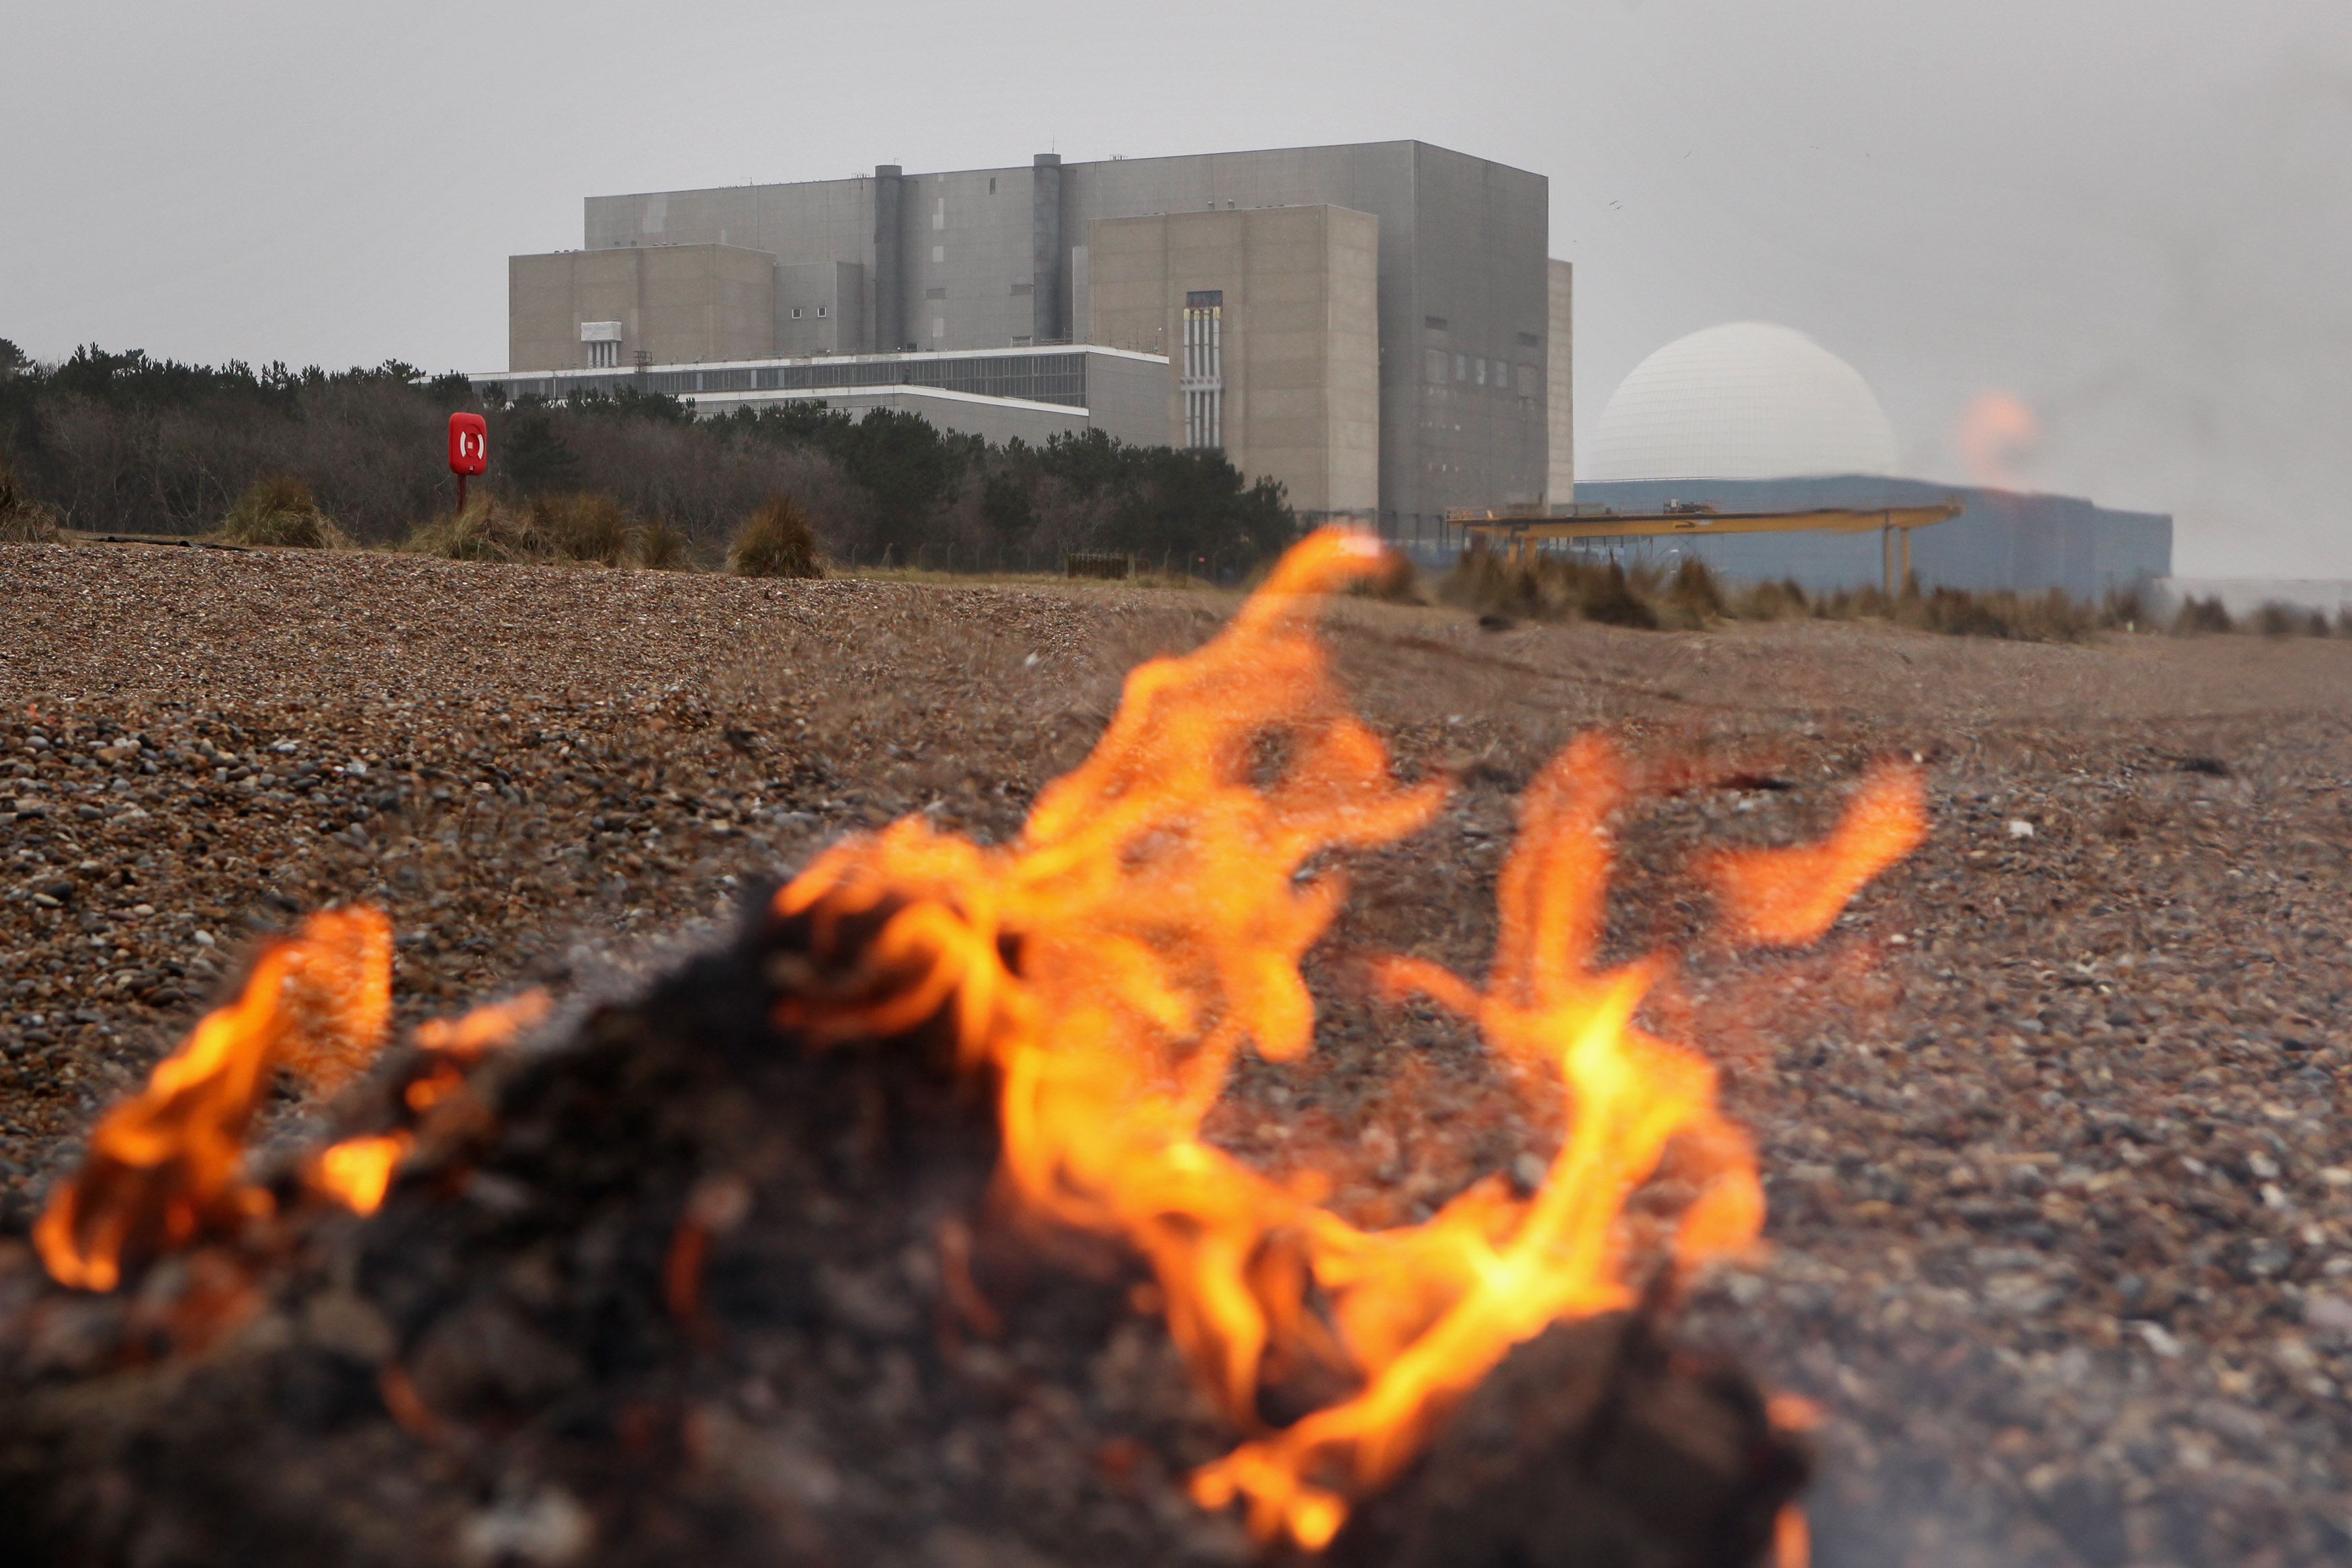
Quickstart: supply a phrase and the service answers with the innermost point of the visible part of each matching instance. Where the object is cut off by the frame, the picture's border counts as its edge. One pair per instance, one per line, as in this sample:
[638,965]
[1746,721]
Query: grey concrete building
[1269,315]
[1281,286]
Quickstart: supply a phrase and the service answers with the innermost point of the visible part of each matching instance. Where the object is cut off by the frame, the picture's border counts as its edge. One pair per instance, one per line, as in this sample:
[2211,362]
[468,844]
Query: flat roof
[888,388]
[1073,164]
[903,355]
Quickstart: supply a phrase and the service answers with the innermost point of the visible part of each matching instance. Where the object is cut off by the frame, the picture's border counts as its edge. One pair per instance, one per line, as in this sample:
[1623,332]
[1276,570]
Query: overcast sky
[2132,215]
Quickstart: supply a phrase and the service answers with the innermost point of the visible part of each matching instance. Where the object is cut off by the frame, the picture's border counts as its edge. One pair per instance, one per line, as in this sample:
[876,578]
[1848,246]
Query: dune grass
[775,541]
[278,509]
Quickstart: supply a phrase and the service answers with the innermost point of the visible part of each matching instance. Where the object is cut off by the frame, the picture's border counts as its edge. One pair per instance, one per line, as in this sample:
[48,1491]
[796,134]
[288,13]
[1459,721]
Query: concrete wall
[2001,539]
[1301,346]
[1128,398]
[829,297]
[1463,241]
[1460,274]
[1559,396]
[680,304]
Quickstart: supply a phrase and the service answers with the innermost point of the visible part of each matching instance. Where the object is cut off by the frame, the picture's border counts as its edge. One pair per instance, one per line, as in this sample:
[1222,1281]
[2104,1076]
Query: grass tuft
[661,546]
[485,530]
[279,509]
[1565,587]
[2202,615]
[775,541]
[583,525]
[2276,619]
[23,521]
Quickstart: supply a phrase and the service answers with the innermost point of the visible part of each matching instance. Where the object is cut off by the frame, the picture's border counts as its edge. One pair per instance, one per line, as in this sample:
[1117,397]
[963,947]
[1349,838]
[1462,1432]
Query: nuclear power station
[1376,326]
[1380,327]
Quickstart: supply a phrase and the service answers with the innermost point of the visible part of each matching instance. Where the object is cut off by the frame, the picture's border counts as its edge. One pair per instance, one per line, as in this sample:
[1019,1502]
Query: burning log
[1597,1442]
[889,1232]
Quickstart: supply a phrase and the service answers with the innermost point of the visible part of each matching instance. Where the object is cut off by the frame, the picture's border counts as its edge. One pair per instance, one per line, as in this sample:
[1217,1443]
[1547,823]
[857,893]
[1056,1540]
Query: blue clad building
[1751,417]
[2003,538]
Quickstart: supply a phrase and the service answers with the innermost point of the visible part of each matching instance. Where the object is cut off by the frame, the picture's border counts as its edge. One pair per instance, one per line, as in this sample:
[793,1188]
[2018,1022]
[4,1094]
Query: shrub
[2202,615]
[1607,594]
[1779,601]
[1694,593]
[2276,619]
[661,547]
[1552,588]
[1396,580]
[485,530]
[279,509]
[23,521]
[2124,609]
[583,525]
[775,541]
[2050,617]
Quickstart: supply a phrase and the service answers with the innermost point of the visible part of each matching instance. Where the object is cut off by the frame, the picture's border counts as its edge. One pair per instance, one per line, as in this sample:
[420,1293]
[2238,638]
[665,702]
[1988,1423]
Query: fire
[1108,969]
[357,1172]
[1150,922]
[163,1167]
[1997,435]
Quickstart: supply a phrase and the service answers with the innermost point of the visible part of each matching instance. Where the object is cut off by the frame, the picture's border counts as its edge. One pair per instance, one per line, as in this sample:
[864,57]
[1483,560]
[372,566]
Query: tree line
[122,442]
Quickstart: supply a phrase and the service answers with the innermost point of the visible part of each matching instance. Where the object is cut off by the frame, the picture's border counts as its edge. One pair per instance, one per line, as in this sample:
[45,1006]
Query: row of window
[1476,369]
[1201,372]
[1440,324]
[1039,377]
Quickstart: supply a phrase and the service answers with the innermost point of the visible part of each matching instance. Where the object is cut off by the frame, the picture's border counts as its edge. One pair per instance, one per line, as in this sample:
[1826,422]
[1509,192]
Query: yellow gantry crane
[1517,530]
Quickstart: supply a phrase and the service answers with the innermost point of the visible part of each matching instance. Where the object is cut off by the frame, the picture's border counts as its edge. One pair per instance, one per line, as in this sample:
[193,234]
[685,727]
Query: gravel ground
[2061,1203]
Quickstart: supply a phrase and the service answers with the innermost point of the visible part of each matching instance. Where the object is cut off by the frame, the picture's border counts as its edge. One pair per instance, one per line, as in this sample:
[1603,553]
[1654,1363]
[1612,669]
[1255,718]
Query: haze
[2134,217]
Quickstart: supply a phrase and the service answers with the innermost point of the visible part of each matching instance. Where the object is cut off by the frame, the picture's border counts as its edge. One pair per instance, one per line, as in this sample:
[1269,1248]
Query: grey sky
[2133,214]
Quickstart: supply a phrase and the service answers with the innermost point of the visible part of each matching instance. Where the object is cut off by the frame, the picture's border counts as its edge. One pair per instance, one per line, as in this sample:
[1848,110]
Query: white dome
[1744,400]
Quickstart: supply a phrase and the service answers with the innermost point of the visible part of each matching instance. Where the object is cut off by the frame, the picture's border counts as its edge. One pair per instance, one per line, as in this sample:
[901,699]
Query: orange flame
[1785,897]
[1996,437]
[1108,967]
[1150,922]
[163,1167]
[357,1172]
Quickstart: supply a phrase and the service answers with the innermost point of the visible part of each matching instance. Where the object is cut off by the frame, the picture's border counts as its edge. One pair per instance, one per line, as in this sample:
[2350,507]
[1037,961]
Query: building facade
[1414,274]
[1269,318]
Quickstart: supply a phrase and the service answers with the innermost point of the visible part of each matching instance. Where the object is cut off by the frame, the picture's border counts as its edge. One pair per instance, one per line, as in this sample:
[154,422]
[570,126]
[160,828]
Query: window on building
[939,252]
[1478,370]
[1527,380]
[1202,377]
[935,293]
[1434,323]
[820,312]
[1530,340]
[1020,289]
[600,343]
[1461,367]
[939,328]
[992,184]
[1432,365]
[796,312]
